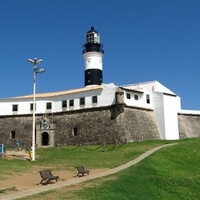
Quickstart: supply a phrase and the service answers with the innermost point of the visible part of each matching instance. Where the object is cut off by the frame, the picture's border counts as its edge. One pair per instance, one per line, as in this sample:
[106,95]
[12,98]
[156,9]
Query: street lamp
[36,70]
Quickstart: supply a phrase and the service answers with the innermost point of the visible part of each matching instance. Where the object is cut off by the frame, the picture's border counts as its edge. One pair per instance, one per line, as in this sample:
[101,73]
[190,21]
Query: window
[136,97]
[14,107]
[93,38]
[64,104]
[49,106]
[128,96]
[71,102]
[82,101]
[13,134]
[148,98]
[31,107]
[75,131]
[94,99]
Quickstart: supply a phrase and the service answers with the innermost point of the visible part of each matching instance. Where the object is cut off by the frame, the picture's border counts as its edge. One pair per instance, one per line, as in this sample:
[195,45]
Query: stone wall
[20,126]
[138,124]
[109,125]
[113,124]
[189,125]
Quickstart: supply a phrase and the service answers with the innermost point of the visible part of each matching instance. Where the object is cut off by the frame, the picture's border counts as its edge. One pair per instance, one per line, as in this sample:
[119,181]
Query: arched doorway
[45,138]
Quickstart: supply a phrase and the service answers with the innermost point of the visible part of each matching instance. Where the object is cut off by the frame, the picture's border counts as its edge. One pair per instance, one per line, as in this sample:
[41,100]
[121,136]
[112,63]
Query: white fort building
[98,112]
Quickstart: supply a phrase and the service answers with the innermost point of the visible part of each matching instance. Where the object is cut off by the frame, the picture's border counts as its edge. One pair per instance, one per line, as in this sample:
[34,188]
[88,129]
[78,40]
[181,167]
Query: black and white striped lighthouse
[92,54]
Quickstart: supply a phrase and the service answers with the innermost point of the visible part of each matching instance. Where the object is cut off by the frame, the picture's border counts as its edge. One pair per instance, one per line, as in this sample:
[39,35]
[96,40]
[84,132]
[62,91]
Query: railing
[105,147]
[92,48]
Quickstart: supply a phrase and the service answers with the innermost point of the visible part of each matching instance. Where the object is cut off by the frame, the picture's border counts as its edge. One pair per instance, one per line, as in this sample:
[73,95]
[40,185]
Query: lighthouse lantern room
[93,54]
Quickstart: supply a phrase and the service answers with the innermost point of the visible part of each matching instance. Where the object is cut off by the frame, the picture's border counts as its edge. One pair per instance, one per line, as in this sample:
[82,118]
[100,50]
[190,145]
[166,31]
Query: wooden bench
[82,171]
[47,176]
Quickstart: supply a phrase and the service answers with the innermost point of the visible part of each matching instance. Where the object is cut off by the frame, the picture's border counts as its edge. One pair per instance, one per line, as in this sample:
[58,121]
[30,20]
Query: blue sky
[144,40]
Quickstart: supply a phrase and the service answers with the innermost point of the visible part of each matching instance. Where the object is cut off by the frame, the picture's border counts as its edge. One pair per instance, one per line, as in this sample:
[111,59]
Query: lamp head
[31,61]
[38,60]
[35,61]
[41,71]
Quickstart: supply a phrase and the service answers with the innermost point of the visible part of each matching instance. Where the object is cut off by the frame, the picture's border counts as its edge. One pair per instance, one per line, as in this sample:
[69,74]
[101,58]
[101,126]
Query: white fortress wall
[171,108]
[190,112]
[159,113]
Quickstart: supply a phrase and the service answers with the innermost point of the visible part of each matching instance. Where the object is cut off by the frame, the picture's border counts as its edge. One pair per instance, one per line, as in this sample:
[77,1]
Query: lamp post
[36,70]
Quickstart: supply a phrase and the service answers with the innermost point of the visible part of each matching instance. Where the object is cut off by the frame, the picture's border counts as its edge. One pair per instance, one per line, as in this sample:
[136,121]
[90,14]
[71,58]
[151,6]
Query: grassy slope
[66,158]
[170,173]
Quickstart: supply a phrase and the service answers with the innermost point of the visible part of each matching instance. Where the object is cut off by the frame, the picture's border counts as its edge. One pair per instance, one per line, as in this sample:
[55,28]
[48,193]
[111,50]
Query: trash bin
[31,154]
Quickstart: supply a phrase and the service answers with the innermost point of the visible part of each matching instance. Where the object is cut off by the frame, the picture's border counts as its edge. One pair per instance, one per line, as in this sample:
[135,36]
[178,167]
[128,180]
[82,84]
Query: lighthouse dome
[92,30]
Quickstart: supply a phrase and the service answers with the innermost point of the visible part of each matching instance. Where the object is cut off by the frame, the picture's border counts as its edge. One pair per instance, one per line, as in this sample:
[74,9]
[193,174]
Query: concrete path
[30,192]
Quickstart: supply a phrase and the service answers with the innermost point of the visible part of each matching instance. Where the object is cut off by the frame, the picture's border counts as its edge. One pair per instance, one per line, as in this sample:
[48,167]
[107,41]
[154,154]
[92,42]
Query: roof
[153,86]
[59,93]
[92,30]
[132,90]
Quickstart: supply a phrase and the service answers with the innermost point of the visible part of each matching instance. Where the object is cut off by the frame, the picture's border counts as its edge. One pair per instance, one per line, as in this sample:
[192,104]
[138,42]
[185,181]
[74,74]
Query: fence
[105,147]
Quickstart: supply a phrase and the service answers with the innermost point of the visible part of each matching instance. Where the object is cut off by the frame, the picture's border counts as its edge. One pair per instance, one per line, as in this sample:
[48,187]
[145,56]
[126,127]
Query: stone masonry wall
[113,124]
[139,125]
[189,125]
[22,128]
[109,125]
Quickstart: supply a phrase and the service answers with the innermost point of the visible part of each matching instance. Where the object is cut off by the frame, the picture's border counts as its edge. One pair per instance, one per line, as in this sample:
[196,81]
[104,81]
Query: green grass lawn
[67,157]
[170,173]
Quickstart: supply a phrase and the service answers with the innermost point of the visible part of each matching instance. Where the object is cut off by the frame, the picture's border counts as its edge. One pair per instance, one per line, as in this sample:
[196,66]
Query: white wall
[7,105]
[166,109]
[171,108]
[105,95]
[159,113]
[191,112]
[142,100]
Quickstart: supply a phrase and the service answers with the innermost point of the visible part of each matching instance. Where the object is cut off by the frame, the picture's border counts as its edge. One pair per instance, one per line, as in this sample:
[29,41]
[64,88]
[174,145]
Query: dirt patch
[18,154]
[27,180]
[31,179]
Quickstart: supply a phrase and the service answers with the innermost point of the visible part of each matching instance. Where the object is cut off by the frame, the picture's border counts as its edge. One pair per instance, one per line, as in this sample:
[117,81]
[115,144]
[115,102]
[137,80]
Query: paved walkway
[30,192]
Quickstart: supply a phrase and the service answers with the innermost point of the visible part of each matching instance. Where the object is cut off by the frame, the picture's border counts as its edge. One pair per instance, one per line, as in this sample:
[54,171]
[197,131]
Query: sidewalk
[30,192]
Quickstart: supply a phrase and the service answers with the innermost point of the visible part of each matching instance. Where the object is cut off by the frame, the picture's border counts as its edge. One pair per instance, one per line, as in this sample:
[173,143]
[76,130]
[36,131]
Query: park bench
[82,171]
[47,176]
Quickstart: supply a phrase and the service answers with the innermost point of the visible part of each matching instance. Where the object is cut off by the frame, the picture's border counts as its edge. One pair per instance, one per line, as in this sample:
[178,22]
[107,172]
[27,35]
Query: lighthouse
[93,54]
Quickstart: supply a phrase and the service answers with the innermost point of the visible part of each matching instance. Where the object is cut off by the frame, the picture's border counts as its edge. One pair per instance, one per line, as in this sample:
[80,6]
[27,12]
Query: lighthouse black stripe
[93,77]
